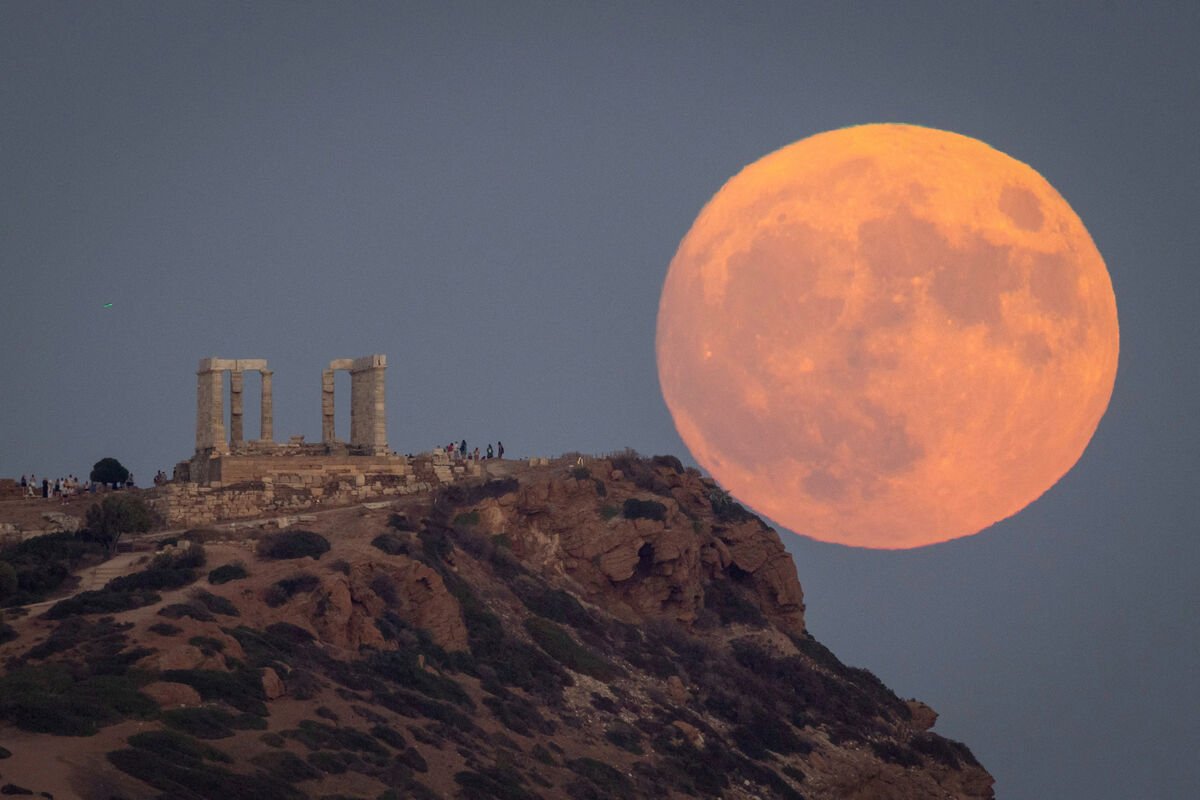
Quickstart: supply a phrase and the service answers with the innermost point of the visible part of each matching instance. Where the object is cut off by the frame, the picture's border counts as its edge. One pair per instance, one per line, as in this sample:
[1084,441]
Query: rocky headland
[591,628]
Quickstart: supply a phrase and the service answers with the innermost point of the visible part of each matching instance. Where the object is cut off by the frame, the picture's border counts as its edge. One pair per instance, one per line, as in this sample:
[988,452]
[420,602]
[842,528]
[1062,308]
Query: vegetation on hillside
[555,695]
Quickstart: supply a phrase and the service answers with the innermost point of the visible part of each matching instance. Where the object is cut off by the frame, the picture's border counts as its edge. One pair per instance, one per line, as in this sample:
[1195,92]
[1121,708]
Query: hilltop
[617,628]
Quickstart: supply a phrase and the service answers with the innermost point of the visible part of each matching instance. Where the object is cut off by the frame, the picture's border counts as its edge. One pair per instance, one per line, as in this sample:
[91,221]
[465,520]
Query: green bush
[515,663]
[186,610]
[178,775]
[321,736]
[333,762]
[467,519]
[670,462]
[176,747]
[559,645]
[519,715]
[283,590]
[8,580]
[211,723]
[607,780]
[893,753]
[644,509]
[207,644]
[115,516]
[392,544]
[543,755]
[553,604]
[766,731]
[609,511]
[101,601]
[486,783]
[96,639]
[401,522]
[389,735]
[732,605]
[725,508]
[458,495]
[293,544]
[416,706]
[51,699]
[642,474]
[580,472]
[625,736]
[241,689]
[227,572]
[413,759]
[214,603]
[44,562]
[946,751]
[151,579]
[109,471]
[190,557]
[284,766]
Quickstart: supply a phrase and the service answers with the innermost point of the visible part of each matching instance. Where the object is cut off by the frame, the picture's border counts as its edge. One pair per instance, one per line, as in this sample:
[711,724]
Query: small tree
[109,470]
[8,580]
[116,515]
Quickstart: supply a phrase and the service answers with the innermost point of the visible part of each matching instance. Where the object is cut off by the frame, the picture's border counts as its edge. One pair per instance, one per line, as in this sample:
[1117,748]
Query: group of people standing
[61,488]
[459,451]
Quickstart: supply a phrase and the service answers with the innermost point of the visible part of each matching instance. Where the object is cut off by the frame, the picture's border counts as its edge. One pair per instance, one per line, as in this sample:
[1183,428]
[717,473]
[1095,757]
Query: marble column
[368,413]
[327,429]
[210,417]
[267,409]
[236,408]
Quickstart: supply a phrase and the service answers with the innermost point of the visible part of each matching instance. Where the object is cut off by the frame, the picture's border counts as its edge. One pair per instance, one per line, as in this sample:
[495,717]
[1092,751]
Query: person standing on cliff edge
[499,449]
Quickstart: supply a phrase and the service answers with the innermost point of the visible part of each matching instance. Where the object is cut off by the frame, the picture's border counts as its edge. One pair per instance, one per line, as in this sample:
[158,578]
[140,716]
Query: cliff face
[612,629]
[575,526]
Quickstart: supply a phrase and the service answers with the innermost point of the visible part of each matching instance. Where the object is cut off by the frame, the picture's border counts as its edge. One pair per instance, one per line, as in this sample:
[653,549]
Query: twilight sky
[491,193]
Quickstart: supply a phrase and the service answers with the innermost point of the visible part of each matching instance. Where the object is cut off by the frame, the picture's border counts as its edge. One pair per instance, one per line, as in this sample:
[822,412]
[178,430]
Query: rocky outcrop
[345,608]
[574,525]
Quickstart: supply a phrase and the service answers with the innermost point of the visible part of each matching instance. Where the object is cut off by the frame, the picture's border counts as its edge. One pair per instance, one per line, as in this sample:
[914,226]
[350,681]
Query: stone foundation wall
[304,472]
[246,487]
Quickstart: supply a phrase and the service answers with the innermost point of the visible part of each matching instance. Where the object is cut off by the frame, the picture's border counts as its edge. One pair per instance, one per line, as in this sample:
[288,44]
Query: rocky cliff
[614,628]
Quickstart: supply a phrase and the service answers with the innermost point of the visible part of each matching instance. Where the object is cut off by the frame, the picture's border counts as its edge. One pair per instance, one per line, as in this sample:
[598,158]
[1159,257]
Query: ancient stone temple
[223,458]
[210,405]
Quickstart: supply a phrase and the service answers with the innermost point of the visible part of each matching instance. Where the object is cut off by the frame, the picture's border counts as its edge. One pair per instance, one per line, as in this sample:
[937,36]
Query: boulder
[171,695]
[272,684]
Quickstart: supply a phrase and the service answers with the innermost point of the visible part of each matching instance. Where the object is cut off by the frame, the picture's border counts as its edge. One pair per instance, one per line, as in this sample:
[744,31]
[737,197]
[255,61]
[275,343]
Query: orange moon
[887,336]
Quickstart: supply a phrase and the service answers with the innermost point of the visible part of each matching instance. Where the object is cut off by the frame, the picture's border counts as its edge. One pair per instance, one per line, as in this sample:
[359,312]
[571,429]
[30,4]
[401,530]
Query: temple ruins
[230,477]
[221,458]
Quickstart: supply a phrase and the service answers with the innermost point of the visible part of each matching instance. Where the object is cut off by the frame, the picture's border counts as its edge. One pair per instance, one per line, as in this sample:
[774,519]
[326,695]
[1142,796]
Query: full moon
[887,336]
